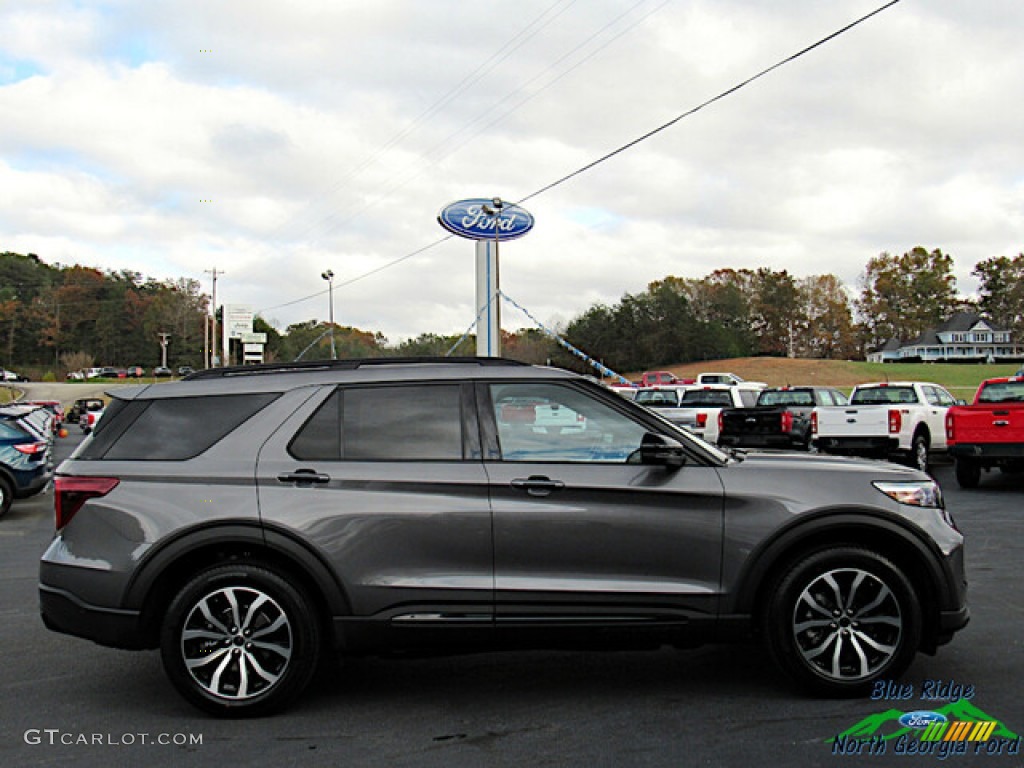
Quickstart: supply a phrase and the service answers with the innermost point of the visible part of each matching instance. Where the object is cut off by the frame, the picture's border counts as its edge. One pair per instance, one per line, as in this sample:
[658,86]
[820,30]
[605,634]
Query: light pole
[329,277]
[494,210]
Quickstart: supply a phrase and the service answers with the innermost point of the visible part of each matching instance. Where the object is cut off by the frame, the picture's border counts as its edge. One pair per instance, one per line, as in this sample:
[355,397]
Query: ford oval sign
[470,218]
[921,719]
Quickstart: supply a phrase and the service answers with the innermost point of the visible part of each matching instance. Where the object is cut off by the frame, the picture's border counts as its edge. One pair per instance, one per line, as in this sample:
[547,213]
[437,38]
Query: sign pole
[488,328]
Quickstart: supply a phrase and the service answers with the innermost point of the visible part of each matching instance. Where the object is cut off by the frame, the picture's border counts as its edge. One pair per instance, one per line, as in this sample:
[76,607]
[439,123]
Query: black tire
[968,473]
[259,632]
[918,457]
[6,496]
[842,618]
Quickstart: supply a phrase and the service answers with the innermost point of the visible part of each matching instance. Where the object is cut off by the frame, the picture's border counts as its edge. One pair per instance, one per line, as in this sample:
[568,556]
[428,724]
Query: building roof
[964,321]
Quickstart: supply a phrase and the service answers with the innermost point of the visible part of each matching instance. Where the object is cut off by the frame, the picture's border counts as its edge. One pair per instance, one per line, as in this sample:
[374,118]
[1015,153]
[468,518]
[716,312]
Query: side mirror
[658,450]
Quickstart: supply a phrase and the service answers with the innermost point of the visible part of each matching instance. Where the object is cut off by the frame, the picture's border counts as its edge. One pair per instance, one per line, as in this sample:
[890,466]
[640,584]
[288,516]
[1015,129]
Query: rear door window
[393,423]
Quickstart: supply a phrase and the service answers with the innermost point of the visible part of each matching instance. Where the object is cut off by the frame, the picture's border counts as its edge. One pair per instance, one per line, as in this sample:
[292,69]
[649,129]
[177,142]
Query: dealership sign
[475,220]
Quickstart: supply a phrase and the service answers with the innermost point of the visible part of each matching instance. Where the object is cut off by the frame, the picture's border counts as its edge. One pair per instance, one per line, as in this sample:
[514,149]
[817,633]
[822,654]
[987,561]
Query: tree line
[58,318]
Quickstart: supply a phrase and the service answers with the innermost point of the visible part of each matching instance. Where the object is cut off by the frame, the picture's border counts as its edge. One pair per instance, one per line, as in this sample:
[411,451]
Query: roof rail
[347,365]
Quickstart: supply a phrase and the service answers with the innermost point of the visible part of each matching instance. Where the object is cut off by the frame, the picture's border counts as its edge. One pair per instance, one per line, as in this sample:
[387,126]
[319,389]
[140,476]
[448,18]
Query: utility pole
[212,360]
[164,338]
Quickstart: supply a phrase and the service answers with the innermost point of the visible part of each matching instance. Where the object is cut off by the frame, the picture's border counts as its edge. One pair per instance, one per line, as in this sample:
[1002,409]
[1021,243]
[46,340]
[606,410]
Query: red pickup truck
[989,432]
[662,379]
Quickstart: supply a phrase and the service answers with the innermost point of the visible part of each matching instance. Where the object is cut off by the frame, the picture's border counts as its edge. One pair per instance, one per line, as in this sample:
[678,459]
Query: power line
[709,102]
[443,149]
[543,20]
[629,145]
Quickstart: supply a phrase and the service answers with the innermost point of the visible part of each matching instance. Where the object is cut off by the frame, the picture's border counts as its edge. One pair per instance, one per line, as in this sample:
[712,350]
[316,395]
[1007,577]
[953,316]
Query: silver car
[245,521]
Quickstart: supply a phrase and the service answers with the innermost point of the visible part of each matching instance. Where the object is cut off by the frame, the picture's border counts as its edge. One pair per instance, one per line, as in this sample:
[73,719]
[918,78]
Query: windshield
[657,397]
[883,396]
[720,397]
[786,397]
[1003,392]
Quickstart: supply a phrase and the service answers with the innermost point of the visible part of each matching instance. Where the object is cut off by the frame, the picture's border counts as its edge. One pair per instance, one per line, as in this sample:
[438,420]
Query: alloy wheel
[236,643]
[847,624]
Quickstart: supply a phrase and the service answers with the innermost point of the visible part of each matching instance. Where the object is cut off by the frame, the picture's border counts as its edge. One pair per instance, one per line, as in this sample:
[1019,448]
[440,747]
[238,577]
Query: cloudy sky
[274,140]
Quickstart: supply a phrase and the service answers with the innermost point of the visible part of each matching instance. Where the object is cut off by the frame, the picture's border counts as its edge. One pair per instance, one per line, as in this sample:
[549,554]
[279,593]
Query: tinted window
[555,423]
[175,428]
[421,422]
[1005,392]
[884,395]
[713,397]
[786,397]
[10,431]
[657,397]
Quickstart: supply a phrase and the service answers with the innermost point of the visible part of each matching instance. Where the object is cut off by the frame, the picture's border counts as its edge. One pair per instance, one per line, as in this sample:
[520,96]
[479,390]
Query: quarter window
[171,429]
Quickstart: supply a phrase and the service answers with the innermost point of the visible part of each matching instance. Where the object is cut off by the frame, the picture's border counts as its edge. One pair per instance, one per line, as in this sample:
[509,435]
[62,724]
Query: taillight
[895,421]
[787,421]
[814,422]
[70,493]
[31,449]
[950,435]
[721,420]
[702,420]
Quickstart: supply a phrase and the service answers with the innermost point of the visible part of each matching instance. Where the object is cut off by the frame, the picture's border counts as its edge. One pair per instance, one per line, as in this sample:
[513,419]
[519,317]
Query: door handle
[537,485]
[304,477]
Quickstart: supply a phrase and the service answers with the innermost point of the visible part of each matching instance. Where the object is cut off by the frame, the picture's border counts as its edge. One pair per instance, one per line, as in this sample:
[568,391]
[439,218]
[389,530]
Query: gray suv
[246,521]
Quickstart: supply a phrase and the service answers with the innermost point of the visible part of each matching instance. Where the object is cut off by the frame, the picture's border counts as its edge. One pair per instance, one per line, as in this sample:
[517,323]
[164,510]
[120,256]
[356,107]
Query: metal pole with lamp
[329,277]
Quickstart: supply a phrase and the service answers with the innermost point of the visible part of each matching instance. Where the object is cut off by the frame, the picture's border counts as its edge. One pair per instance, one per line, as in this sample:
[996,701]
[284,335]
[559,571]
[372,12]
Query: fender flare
[827,527]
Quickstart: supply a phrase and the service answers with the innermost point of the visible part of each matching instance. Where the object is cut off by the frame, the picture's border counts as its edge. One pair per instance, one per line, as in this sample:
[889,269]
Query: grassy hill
[961,380]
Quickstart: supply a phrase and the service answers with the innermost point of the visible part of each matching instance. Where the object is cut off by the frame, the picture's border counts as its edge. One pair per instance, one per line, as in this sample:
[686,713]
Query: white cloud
[329,134]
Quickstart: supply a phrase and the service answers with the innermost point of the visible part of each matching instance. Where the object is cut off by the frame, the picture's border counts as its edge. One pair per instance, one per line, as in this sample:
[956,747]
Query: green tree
[1002,290]
[776,313]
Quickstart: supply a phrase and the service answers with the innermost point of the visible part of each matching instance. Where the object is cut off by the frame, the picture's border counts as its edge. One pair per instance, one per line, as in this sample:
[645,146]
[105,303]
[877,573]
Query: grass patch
[959,378]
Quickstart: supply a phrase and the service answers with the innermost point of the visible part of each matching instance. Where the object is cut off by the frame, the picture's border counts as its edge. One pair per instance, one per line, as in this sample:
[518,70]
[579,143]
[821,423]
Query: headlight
[915,494]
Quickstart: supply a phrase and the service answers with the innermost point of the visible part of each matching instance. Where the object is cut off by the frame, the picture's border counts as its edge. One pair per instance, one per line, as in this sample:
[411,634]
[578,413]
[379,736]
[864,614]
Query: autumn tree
[829,331]
[901,296]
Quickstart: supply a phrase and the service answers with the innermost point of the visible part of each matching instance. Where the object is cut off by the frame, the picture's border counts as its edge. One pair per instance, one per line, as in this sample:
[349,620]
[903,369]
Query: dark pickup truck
[780,419]
[989,432]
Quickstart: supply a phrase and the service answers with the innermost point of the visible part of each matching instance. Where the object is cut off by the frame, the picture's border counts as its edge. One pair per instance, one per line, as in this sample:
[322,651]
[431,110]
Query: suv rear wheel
[240,640]
[842,618]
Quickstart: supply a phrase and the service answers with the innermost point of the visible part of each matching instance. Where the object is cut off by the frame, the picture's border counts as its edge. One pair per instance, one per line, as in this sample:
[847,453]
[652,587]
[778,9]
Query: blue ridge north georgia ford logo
[475,219]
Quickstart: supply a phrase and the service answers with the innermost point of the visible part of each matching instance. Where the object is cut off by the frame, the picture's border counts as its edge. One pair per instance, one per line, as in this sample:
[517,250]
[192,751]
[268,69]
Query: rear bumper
[985,451]
[63,612]
[762,441]
[31,482]
[858,446]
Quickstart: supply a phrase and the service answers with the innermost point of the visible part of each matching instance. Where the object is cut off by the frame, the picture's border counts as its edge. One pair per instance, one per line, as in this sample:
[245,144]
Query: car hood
[822,463]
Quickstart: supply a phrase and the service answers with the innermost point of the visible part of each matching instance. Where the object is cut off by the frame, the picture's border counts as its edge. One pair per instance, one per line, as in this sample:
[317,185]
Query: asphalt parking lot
[67,701]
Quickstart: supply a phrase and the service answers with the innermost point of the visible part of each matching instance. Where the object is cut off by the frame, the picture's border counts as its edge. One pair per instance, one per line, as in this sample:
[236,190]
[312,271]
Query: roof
[282,377]
[964,321]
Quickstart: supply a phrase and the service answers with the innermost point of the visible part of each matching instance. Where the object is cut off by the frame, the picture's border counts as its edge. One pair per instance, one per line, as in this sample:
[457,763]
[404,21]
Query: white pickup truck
[697,407]
[729,379]
[899,420]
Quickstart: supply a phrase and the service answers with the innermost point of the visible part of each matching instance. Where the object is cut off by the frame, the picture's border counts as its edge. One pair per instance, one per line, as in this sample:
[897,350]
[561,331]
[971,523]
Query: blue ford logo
[470,218]
[921,719]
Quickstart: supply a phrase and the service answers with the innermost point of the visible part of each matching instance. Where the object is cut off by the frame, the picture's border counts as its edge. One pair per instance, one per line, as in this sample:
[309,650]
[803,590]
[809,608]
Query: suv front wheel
[842,618]
[240,640]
